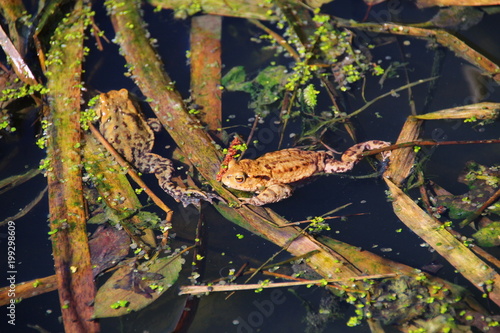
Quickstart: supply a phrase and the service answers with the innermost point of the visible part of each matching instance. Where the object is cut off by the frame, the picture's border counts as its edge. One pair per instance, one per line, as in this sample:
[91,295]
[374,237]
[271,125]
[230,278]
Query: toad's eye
[239,177]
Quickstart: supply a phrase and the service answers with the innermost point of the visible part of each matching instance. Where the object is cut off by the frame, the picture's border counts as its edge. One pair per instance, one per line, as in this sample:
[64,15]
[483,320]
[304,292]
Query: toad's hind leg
[353,155]
[273,193]
[163,169]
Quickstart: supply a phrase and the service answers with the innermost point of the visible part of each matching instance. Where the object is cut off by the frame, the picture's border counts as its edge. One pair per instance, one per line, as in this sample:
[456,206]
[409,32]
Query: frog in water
[273,175]
[124,126]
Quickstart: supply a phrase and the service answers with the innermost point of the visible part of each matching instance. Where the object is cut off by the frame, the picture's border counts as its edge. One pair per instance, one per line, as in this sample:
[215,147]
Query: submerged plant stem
[66,203]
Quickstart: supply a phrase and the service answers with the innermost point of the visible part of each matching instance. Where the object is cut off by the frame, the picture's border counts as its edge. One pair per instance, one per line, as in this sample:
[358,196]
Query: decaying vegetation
[325,61]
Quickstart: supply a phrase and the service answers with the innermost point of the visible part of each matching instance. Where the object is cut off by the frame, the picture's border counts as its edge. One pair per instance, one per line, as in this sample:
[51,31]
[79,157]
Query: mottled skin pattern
[126,129]
[273,175]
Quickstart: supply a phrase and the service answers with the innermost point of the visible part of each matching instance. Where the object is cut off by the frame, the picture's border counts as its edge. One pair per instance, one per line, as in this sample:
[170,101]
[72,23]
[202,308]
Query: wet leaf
[444,3]
[138,282]
[235,80]
[108,246]
[459,18]
[488,236]
[435,234]
[485,110]
[399,300]
[246,9]
[482,182]
[265,89]
[133,288]
[272,76]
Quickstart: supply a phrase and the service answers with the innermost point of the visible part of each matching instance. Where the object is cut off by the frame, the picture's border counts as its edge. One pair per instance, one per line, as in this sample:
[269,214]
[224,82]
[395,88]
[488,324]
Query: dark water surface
[277,310]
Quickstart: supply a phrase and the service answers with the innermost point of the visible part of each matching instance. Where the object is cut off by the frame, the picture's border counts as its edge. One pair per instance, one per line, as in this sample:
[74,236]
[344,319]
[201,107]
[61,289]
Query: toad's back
[285,166]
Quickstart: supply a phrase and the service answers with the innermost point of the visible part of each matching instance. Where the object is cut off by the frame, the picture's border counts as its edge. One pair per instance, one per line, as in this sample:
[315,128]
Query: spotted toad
[124,126]
[273,175]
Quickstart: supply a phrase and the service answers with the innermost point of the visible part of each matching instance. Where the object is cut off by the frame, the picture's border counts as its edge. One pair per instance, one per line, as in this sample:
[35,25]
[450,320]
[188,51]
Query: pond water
[273,310]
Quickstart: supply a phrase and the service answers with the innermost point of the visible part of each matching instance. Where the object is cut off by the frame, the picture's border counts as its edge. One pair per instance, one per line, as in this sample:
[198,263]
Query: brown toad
[272,175]
[124,126]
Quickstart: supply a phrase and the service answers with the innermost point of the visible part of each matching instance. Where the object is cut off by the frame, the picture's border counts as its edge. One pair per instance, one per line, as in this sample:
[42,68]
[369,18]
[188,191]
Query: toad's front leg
[273,193]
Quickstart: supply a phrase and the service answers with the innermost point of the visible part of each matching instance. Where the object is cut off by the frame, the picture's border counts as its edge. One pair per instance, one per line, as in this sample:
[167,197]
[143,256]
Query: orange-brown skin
[273,175]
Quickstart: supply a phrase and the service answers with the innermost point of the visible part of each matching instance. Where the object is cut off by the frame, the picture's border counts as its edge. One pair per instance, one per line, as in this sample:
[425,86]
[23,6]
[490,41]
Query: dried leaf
[484,110]
[445,3]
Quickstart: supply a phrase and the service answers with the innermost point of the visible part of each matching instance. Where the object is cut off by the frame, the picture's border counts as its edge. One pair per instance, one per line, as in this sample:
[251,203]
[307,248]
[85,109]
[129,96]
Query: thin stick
[325,218]
[131,172]
[280,40]
[425,143]
[250,136]
[193,290]
[478,212]
[18,64]
[372,101]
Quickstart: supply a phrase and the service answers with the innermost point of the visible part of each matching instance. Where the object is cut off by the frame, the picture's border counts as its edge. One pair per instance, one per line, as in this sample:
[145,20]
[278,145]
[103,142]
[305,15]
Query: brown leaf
[108,246]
